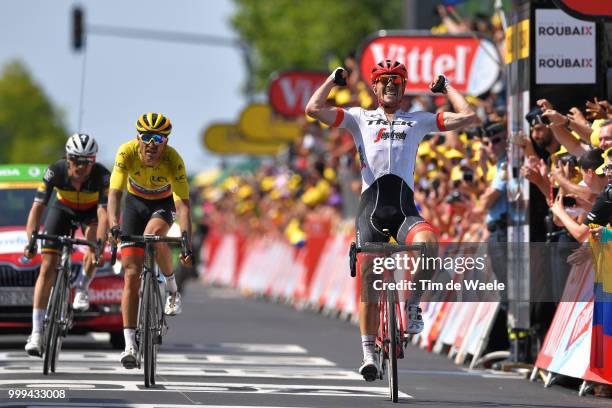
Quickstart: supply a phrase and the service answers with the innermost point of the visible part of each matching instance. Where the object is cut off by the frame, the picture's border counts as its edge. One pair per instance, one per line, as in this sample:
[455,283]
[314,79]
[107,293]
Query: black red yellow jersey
[94,191]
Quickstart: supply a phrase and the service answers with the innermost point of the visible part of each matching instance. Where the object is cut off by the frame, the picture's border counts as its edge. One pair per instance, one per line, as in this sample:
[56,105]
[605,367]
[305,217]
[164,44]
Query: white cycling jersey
[387,148]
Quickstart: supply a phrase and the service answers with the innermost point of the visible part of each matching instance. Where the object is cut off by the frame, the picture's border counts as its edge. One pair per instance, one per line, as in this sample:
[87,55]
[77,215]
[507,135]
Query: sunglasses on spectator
[492,141]
[152,137]
[395,79]
[82,160]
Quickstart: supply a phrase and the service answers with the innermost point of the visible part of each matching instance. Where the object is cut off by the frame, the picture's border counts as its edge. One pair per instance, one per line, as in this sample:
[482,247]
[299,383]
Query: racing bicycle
[59,314]
[151,324]
[390,340]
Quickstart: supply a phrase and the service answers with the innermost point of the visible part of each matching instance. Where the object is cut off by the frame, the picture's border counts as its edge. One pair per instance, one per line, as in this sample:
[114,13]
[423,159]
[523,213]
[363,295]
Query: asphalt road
[226,350]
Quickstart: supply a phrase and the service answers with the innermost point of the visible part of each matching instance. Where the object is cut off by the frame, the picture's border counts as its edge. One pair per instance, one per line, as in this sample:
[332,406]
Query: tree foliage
[307,34]
[31,128]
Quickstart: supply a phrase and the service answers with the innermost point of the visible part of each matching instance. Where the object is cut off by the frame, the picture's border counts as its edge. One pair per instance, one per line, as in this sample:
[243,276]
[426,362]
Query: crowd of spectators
[319,174]
[456,173]
[461,179]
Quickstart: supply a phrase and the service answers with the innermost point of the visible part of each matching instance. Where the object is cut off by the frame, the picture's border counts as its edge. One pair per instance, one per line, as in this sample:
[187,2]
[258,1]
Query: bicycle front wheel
[392,332]
[154,312]
[147,338]
[52,327]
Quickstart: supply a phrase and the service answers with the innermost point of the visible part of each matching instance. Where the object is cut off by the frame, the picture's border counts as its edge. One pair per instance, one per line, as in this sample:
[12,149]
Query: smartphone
[569,201]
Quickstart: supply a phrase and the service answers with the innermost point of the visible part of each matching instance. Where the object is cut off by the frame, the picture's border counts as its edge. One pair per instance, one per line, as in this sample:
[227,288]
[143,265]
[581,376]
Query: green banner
[21,172]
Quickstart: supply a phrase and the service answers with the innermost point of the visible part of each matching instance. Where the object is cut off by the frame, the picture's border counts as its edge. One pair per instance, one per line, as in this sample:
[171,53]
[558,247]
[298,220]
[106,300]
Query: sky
[194,85]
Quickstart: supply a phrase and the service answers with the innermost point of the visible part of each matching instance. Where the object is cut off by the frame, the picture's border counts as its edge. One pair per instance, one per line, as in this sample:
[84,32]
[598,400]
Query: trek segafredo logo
[398,122]
[393,135]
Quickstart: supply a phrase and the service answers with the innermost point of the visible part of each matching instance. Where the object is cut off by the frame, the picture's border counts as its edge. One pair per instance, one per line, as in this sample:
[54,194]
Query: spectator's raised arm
[559,125]
[578,231]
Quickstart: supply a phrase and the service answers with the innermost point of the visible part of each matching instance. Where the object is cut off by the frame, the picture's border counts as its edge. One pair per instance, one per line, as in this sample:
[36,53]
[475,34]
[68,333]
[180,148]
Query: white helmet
[81,144]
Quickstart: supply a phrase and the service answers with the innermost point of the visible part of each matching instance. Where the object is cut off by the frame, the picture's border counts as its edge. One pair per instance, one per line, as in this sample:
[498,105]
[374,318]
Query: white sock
[171,283]
[367,343]
[38,316]
[130,338]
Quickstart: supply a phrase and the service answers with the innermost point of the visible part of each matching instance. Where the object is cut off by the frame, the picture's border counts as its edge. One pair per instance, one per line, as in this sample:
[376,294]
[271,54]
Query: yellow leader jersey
[149,182]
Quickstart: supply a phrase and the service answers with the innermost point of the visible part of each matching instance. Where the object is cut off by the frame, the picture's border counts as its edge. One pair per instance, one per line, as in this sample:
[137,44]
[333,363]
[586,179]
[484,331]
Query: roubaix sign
[564,48]
[290,91]
[471,64]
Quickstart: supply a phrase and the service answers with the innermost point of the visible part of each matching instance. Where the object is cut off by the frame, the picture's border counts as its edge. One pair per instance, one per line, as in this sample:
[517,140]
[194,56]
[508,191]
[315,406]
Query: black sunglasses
[492,141]
[81,160]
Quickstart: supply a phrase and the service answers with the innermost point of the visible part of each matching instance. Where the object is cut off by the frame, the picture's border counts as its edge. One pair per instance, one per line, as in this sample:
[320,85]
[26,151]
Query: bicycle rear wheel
[392,332]
[51,332]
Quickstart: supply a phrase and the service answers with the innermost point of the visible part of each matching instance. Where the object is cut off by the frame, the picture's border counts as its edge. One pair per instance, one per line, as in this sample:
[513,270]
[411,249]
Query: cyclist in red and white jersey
[387,140]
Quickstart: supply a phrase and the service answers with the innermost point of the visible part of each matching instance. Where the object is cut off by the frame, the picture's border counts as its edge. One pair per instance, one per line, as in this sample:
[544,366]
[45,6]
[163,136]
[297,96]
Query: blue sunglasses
[148,137]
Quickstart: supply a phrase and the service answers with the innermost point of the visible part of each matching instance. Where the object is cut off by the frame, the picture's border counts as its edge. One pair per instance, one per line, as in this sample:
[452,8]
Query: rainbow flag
[601,338]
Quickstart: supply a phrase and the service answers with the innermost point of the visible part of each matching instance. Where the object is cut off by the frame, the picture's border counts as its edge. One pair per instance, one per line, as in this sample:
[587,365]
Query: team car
[18,184]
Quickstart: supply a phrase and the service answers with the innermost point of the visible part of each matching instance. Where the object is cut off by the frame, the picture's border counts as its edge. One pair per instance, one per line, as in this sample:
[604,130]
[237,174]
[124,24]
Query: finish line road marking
[238,348]
[173,358]
[96,405]
[190,371]
[229,388]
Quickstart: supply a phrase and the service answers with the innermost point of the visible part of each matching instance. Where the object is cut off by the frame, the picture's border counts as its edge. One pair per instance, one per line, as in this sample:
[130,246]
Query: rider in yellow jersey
[157,190]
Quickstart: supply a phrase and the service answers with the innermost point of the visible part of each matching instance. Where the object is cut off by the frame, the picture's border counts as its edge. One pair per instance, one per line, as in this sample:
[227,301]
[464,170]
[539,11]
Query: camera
[568,201]
[534,117]
[607,193]
[477,131]
[568,159]
[494,128]
[453,197]
[468,176]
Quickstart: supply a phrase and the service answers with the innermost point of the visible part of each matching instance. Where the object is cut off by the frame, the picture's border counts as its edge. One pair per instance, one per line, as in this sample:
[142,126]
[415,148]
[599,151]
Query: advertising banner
[471,64]
[290,91]
[567,346]
[601,339]
[592,10]
[259,124]
[225,138]
[565,49]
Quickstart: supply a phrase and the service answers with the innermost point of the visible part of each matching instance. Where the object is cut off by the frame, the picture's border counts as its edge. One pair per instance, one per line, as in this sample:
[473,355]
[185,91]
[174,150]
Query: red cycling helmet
[388,67]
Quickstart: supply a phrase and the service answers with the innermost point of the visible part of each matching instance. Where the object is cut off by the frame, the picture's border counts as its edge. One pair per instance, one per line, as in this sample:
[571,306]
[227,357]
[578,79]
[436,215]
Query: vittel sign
[290,91]
[471,64]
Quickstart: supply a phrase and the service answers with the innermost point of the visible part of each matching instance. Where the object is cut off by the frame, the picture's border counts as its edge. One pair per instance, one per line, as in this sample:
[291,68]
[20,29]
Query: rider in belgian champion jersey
[81,189]
[387,140]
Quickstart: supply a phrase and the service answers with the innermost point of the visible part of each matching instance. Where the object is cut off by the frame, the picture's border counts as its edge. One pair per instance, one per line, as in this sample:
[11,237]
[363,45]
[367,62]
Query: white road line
[463,373]
[94,405]
[239,348]
[231,388]
[101,337]
[189,371]
[264,348]
[174,358]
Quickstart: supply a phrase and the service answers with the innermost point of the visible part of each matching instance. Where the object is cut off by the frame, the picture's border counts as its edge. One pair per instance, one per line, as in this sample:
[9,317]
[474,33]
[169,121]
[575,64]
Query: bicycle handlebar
[388,248]
[150,238]
[61,239]
[379,247]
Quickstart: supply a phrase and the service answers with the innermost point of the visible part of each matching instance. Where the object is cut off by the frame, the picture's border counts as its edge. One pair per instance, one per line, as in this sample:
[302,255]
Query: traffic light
[78,29]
